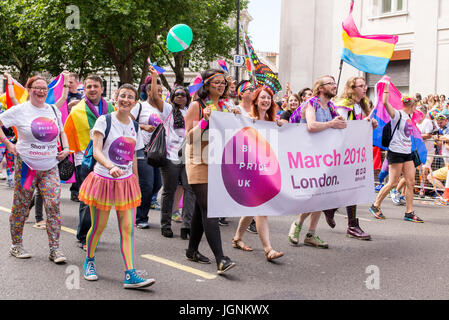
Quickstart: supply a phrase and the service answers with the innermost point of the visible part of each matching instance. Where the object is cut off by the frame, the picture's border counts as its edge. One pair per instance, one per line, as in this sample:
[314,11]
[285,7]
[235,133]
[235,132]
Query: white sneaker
[19,252]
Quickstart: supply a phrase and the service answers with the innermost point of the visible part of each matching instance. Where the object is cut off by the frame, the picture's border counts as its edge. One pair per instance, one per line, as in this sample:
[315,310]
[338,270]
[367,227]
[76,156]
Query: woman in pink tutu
[114,183]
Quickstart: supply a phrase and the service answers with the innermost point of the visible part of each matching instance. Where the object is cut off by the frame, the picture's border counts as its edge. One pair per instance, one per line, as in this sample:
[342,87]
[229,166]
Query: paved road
[403,261]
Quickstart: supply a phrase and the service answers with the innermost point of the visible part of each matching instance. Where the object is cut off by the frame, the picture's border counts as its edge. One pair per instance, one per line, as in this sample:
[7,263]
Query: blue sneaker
[133,280]
[378,187]
[90,272]
[155,206]
[395,197]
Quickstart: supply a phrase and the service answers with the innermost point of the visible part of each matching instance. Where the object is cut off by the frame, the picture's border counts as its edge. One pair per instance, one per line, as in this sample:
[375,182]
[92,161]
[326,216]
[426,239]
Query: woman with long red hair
[263,107]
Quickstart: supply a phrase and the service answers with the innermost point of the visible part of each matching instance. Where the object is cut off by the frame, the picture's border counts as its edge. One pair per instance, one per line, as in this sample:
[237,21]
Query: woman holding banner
[211,94]
[263,108]
[352,105]
[400,157]
[319,114]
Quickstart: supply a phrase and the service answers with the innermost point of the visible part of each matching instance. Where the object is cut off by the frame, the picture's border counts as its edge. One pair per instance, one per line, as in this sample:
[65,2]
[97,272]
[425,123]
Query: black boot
[329,214]
[354,230]
[185,233]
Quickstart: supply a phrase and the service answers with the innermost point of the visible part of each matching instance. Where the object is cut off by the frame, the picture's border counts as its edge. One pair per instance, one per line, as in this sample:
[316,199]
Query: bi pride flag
[370,53]
[253,172]
[381,115]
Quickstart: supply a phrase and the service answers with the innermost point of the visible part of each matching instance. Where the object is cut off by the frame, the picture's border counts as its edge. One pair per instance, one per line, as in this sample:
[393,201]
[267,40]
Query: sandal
[40,225]
[272,254]
[239,244]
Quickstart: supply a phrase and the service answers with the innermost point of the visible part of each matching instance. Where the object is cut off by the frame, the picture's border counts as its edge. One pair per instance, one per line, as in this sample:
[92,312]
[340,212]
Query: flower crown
[406,99]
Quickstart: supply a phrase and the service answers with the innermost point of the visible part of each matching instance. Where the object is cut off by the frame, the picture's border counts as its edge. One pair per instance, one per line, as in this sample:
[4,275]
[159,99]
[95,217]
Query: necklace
[221,105]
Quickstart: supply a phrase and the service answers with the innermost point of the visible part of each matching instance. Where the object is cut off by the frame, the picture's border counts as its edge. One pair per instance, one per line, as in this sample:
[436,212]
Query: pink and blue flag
[26,176]
[197,84]
[367,53]
[223,65]
[381,115]
[55,89]
[156,67]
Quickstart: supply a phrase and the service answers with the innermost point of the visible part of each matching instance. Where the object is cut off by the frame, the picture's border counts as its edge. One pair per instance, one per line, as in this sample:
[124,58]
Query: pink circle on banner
[154,120]
[250,169]
[44,129]
[121,150]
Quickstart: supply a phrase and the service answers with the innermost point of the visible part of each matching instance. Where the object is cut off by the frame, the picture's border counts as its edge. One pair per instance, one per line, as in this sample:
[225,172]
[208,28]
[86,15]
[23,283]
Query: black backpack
[387,135]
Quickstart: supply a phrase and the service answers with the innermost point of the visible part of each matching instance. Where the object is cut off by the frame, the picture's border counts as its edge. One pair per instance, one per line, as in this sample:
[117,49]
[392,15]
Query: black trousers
[202,224]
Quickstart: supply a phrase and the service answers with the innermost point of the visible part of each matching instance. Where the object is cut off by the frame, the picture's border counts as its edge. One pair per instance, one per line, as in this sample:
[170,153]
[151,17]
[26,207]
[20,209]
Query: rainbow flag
[78,133]
[371,53]
[19,91]
[381,115]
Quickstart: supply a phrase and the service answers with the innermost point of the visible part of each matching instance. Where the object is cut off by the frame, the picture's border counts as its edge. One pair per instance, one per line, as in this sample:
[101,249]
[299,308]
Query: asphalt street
[403,261]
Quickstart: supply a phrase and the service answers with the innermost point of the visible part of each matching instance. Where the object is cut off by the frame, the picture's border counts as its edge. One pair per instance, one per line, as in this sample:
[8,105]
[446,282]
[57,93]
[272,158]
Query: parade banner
[259,169]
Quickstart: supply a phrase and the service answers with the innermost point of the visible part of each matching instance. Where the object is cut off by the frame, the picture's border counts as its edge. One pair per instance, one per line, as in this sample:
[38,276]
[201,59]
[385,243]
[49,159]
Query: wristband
[5,138]
[65,148]
[203,124]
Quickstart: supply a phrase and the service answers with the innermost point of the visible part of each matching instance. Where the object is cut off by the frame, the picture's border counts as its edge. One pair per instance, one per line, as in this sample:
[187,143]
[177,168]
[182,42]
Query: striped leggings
[126,221]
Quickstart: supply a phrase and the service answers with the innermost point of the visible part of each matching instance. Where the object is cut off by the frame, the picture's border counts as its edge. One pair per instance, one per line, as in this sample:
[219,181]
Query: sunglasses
[180,94]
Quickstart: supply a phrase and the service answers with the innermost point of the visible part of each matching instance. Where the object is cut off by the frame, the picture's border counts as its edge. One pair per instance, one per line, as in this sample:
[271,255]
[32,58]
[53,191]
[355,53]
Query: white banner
[259,169]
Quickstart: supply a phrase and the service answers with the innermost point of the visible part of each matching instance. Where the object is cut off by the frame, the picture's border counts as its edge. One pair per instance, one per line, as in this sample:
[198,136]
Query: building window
[392,6]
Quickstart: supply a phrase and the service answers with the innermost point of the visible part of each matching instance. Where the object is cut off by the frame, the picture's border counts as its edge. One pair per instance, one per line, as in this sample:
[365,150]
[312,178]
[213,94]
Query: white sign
[259,169]
[238,60]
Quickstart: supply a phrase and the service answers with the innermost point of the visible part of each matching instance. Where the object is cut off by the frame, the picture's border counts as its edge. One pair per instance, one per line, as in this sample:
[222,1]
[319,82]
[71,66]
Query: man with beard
[352,105]
[319,114]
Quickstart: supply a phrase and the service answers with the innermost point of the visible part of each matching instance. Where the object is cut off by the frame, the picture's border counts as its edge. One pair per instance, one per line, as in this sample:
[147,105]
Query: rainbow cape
[371,53]
[381,115]
[79,123]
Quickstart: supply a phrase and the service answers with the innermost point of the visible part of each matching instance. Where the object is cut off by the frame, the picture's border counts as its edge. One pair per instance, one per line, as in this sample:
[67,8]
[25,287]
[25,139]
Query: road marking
[363,219]
[5,209]
[62,227]
[68,230]
[205,275]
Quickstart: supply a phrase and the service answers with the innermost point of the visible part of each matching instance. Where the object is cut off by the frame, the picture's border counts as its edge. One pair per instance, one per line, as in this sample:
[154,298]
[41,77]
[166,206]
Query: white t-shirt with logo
[402,138]
[120,145]
[37,133]
[174,136]
[149,115]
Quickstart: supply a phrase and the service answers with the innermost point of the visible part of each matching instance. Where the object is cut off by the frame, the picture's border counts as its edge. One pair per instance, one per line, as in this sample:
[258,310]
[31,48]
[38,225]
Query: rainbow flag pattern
[370,53]
[78,133]
[19,91]
[381,115]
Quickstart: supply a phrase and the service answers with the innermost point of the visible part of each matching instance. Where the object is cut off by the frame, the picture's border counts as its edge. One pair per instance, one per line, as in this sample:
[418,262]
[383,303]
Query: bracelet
[5,138]
[65,86]
[203,124]
[65,148]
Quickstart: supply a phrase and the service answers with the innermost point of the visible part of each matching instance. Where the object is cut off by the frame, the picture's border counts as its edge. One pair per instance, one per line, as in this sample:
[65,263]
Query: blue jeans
[150,183]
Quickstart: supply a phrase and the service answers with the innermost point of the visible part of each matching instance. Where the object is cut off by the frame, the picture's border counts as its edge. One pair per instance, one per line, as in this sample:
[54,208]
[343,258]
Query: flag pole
[339,74]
